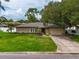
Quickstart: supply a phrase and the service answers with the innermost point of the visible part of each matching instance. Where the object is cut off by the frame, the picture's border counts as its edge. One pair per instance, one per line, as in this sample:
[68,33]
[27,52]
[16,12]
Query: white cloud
[19,7]
[19,11]
[57,0]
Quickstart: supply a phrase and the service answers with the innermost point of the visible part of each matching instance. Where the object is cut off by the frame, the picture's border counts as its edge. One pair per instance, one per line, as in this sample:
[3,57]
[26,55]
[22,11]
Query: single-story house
[40,28]
[5,28]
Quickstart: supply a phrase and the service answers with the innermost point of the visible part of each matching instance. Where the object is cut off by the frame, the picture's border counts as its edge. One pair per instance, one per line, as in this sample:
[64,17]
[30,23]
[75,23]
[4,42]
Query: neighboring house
[40,28]
[5,28]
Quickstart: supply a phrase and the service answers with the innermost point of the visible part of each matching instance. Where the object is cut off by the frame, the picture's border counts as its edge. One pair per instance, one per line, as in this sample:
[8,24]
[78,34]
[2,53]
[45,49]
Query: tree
[70,11]
[52,14]
[1,6]
[3,19]
[65,13]
[31,15]
[21,21]
[10,25]
[10,20]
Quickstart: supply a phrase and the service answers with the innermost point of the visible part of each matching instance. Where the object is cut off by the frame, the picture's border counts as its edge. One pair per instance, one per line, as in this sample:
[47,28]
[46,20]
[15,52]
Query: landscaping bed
[25,42]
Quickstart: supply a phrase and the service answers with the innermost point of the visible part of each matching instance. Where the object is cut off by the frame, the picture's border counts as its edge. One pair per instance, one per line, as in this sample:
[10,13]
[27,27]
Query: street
[39,56]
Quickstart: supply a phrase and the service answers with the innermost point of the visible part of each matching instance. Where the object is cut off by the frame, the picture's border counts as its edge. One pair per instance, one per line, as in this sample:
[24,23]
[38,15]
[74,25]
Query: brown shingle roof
[37,24]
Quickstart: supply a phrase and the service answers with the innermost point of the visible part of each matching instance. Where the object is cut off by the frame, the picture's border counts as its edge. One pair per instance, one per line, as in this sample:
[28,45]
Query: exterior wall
[22,30]
[13,29]
[52,31]
[55,31]
[4,29]
[27,30]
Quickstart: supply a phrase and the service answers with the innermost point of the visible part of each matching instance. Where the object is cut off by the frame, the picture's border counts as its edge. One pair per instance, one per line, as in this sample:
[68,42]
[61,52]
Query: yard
[25,42]
[75,38]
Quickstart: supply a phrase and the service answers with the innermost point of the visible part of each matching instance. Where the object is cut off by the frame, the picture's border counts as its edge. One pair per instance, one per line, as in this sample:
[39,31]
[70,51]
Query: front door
[43,30]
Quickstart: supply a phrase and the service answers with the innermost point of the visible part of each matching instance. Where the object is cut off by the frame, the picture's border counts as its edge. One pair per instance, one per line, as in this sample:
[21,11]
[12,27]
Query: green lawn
[75,38]
[25,42]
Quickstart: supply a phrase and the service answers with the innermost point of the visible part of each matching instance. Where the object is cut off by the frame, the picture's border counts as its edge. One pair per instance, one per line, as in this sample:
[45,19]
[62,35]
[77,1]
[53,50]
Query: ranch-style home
[40,28]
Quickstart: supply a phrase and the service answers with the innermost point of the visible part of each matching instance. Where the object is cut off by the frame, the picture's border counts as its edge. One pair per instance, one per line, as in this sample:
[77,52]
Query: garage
[55,31]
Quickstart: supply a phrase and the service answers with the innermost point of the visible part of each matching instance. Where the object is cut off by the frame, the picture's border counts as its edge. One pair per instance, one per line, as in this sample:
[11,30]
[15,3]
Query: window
[73,31]
[32,29]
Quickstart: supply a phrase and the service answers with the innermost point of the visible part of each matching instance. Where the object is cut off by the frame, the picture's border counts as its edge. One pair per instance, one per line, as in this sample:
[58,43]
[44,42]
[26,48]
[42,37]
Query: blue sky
[16,8]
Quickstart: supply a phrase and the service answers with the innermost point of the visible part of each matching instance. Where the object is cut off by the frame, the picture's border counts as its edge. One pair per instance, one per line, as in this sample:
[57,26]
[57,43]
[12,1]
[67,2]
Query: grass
[75,38]
[25,42]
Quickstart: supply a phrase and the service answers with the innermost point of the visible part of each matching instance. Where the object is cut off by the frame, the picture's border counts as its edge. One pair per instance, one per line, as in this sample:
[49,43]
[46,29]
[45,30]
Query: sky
[16,9]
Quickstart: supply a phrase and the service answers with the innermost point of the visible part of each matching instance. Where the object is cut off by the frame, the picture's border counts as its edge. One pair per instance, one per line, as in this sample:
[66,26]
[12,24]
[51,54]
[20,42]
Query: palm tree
[10,26]
[1,6]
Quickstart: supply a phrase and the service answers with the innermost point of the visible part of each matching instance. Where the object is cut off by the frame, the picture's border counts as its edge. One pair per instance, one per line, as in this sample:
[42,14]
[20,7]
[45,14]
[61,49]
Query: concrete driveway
[65,45]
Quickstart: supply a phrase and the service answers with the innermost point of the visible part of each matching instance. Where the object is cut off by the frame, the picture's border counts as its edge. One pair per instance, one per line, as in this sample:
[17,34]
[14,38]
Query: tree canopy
[65,13]
[52,13]
[31,14]
[70,11]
